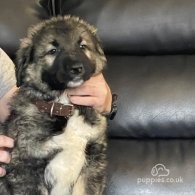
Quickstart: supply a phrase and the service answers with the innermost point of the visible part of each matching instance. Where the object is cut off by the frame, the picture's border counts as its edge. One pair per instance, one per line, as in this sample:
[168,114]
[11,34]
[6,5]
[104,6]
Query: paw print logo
[160,170]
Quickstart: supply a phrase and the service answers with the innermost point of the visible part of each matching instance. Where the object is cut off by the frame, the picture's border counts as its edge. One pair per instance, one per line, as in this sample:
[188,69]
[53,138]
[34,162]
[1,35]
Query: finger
[87,101]
[85,90]
[91,87]
[2,172]
[84,101]
[6,141]
[5,156]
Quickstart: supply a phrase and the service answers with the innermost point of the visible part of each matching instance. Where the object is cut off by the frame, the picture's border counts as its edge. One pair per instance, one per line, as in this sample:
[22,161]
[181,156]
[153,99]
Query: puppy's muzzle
[76,70]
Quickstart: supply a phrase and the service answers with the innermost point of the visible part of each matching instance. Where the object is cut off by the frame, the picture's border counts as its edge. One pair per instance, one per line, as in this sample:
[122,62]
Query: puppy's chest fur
[65,169]
[56,144]
[67,166]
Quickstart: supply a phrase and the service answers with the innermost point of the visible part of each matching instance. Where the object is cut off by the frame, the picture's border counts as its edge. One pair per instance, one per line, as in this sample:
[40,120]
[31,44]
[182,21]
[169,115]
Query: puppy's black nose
[77,69]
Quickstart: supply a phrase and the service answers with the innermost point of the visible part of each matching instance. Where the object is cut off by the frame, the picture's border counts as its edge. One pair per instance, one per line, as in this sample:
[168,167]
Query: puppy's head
[59,53]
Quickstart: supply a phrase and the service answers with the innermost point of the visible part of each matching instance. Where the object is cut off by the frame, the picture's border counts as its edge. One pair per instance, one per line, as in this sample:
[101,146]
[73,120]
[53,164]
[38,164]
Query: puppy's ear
[99,49]
[100,59]
[101,52]
[23,58]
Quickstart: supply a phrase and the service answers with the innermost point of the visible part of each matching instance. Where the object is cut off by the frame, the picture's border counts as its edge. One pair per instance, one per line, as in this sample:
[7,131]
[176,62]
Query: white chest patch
[64,169]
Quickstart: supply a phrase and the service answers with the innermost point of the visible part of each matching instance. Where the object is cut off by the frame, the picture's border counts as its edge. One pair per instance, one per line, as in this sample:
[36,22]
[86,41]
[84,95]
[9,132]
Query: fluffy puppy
[54,154]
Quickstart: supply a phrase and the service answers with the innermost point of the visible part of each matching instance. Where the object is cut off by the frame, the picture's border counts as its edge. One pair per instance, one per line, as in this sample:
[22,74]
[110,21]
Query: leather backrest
[125,26]
[156,96]
[142,27]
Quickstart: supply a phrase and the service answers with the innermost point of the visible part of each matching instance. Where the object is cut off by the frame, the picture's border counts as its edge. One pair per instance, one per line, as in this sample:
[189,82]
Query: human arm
[5,141]
[7,88]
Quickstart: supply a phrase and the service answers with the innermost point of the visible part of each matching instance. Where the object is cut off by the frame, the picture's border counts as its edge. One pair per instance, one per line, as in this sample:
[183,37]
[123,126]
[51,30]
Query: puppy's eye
[83,45]
[52,52]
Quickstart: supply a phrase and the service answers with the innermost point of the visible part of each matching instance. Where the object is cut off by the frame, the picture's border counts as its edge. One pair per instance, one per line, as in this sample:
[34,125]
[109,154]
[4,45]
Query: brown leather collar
[55,108]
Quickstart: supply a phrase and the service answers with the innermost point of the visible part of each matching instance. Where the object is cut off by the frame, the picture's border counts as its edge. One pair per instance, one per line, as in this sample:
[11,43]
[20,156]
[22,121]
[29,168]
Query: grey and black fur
[53,155]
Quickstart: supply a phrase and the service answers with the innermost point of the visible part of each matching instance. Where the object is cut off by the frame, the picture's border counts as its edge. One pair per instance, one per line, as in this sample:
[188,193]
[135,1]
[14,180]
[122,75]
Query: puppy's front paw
[78,127]
[89,114]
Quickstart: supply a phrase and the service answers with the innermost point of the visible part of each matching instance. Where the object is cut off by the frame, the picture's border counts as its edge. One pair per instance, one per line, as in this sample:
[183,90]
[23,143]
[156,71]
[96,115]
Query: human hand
[94,92]
[5,156]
